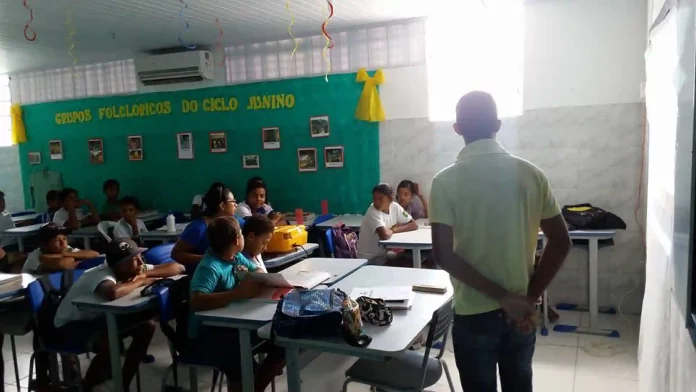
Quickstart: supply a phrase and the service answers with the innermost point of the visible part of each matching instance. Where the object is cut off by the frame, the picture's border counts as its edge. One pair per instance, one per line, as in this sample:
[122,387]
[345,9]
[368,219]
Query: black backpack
[588,217]
[53,297]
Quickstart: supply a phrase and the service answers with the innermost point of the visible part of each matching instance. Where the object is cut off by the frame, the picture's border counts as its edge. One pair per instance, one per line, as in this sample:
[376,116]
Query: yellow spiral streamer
[292,23]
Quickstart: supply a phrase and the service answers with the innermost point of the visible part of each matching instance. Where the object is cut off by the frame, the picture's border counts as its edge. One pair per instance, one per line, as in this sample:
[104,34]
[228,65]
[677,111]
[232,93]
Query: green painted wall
[164,182]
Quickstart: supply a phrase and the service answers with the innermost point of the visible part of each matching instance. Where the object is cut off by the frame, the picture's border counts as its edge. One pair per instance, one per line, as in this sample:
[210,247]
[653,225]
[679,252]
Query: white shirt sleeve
[197,200]
[141,227]
[243,210]
[122,230]
[259,262]
[402,217]
[373,220]
[61,216]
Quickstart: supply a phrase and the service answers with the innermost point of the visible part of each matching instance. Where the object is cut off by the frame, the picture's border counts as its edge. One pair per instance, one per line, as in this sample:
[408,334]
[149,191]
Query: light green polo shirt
[494,203]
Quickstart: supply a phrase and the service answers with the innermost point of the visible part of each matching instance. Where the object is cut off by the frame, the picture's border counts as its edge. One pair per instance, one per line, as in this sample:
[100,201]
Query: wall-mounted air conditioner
[191,66]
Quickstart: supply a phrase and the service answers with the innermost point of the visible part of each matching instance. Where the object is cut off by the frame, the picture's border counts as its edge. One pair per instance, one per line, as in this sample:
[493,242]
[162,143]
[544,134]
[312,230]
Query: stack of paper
[400,297]
[9,282]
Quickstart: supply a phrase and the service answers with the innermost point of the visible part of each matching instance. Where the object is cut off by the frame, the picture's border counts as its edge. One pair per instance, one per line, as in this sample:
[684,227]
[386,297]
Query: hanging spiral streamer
[27,26]
[292,23]
[218,45]
[329,41]
[71,34]
[187,25]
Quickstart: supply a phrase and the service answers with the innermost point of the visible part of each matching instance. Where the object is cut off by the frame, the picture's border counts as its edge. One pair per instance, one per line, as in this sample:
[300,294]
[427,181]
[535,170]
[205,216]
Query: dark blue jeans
[481,342]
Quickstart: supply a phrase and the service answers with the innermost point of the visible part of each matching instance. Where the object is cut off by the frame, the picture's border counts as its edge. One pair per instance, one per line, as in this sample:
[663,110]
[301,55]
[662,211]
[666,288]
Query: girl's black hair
[212,199]
[255,183]
[65,192]
[408,184]
[384,189]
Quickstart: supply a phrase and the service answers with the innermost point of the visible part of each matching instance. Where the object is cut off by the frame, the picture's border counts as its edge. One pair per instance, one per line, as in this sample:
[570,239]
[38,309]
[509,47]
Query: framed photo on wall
[319,126]
[34,158]
[184,144]
[333,156]
[55,147]
[271,138]
[96,151]
[251,162]
[218,142]
[135,148]
[307,159]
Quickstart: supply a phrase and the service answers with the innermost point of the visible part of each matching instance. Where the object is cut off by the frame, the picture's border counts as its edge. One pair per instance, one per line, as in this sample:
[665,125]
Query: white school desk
[387,342]
[163,235]
[150,216]
[21,232]
[420,239]
[352,222]
[13,289]
[86,233]
[26,217]
[280,259]
[249,315]
[131,303]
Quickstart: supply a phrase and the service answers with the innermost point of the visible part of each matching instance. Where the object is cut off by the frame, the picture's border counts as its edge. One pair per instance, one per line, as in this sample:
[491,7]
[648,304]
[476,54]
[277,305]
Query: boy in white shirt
[70,215]
[383,219]
[257,231]
[54,253]
[129,226]
[123,273]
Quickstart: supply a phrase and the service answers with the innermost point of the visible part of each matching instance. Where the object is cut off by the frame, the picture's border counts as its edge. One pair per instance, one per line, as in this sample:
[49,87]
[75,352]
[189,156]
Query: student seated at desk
[53,203]
[193,243]
[9,243]
[198,204]
[111,209]
[70,215]
[383,219]
[255,203]
[123,273]
[257,231]
[130,226]
[406,193]
[214,285]
[54,253]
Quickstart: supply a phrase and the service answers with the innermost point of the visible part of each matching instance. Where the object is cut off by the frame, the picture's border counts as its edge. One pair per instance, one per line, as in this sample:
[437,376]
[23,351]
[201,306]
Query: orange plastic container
[286,238]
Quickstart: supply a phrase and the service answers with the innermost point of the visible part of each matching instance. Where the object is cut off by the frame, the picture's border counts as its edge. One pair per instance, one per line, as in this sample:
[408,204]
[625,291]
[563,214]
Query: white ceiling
[117,29]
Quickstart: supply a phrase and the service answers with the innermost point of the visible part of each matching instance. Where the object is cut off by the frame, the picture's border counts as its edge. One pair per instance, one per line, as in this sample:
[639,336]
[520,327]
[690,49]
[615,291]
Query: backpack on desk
[307,314]
[345,242]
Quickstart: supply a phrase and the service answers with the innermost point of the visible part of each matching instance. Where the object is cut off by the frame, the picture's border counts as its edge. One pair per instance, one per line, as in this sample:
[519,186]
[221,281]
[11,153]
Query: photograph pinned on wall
[333,156]
[319,126]
[218,142]
[96,151]
[250,162]
[184,144]
[271,138]
[34,158]
[135,148]
[56,149]
[307,159]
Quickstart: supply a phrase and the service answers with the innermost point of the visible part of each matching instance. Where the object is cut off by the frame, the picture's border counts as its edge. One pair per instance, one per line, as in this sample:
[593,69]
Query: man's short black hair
[109,183]
[222,232]
[65,192]
[477,115]
[51,195]
[258,225]
[131,201]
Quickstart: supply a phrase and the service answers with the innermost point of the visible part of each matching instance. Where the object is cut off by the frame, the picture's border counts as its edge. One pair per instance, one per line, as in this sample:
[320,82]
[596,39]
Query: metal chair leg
[137,379]
[447,373]
[345,384]
[222,380]
[14,360]
[31,372]
[164,377]
[216,373]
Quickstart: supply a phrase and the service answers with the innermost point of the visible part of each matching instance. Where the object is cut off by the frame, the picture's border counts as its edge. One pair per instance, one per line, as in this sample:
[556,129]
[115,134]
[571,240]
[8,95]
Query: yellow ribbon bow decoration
[370,106]
[19,133]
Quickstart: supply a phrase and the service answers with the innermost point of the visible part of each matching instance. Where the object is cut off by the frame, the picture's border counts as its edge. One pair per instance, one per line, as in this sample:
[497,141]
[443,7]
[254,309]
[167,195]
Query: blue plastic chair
[329,242]
[90,263]
[159,254]
[323,218]
[35,295]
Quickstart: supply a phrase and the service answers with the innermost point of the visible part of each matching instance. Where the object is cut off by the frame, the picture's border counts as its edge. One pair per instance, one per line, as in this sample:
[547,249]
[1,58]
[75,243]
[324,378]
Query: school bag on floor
[308,314]
[345,242]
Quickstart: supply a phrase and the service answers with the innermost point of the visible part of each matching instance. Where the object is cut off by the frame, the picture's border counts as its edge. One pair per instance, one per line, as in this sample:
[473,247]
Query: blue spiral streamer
[187,25]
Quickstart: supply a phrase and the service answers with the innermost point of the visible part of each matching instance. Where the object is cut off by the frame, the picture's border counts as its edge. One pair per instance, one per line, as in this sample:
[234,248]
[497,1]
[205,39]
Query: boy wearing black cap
[123,273]
[54,253]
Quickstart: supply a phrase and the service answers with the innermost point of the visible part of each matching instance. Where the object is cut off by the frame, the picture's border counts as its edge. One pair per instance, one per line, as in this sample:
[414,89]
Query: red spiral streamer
[326,22]
[27,26]
[218,45]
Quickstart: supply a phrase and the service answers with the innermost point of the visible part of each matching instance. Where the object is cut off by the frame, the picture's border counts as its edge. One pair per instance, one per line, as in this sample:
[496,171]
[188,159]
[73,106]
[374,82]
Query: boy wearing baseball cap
[123,273]
[54,253]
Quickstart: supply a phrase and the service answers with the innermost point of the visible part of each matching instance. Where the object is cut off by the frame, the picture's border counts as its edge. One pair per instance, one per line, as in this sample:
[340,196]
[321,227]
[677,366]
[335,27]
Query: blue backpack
[307,314]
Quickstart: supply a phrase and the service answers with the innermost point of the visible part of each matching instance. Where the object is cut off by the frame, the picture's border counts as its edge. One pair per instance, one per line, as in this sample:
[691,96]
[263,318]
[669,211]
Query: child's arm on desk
[247,289]
[113,291]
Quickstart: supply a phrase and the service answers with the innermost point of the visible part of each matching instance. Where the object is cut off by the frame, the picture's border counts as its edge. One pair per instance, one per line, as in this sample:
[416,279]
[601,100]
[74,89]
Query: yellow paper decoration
[19,133]
[370,106]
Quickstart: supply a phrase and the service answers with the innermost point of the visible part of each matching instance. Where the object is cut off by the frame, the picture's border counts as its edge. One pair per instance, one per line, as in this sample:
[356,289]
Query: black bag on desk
[588,217]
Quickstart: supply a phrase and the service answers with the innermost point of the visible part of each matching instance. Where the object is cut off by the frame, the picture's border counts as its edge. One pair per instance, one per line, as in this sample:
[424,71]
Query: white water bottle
[171,223]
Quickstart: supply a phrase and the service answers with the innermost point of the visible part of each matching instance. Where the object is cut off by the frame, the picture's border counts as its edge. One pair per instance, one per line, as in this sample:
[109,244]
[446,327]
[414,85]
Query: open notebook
[279,284]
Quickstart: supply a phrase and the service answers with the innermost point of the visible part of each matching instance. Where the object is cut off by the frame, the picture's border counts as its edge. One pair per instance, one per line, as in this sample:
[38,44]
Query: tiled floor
[562,363]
